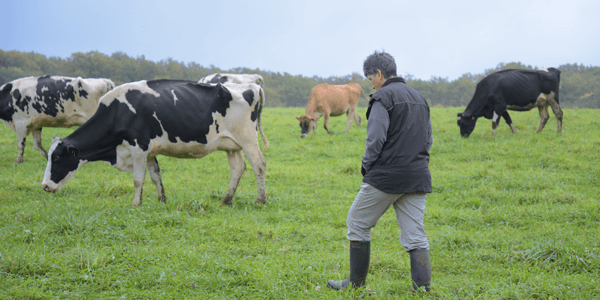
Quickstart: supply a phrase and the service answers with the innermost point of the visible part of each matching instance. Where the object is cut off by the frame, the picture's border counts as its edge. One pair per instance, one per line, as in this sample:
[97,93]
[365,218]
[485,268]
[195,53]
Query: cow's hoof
[162,199]
[227,200]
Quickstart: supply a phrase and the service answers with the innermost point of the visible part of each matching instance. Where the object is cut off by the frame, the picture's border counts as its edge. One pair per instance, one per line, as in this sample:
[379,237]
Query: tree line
[579,86]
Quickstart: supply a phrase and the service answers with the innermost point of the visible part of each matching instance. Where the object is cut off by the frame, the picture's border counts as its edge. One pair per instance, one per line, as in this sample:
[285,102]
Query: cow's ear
[314,119]
[73,150]
[298,118]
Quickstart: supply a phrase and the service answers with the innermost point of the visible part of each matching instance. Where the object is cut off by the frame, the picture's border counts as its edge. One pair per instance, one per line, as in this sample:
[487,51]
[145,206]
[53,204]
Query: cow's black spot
[83,93]
[51,91]
[6,103]
[194,108]
[215,79]
[37,106]
[20,102]
[17,95]
[217,126]
[255,112]
[248,96]
[218,79]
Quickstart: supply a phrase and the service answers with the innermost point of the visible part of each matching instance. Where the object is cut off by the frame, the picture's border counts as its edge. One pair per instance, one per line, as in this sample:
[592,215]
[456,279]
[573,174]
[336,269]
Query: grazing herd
[129,125]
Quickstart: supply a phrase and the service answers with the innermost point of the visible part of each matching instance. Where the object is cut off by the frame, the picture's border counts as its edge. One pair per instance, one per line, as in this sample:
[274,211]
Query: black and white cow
[28,104]
[137,121]
[233,78]
[519,90]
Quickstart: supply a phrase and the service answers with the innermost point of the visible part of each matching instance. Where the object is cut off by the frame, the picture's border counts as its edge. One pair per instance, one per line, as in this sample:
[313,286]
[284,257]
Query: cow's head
[307,124]
[466,124]
[63,161]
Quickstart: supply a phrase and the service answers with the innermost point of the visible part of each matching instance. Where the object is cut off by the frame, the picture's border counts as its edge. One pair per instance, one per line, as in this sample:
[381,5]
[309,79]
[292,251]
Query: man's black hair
[380,61]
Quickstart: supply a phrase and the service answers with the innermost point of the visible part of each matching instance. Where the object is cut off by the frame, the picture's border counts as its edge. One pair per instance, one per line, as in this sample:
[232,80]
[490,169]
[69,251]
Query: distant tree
[580,85]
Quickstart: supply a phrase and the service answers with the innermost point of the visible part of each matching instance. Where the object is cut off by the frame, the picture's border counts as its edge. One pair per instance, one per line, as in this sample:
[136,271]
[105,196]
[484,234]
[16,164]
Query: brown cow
[330,100]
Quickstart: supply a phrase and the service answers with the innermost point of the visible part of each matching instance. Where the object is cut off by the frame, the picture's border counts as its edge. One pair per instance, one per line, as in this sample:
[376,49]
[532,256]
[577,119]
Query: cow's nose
[303,135]
[46,188]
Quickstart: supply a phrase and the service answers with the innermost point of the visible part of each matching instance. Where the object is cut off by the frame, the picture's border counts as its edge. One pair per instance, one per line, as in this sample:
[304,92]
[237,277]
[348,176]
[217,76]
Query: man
[395,171]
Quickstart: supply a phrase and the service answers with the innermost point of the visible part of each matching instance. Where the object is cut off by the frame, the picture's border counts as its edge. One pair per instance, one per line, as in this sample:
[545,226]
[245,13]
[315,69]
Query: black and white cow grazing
[138,121]
[519,90]
[233,78]
[28,104]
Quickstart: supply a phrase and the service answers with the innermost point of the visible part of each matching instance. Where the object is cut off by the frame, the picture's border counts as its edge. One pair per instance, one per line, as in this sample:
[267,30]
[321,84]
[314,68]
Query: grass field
[511,217]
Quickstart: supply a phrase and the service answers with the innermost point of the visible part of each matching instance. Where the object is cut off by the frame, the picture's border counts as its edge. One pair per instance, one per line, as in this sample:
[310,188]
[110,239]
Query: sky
[314,38]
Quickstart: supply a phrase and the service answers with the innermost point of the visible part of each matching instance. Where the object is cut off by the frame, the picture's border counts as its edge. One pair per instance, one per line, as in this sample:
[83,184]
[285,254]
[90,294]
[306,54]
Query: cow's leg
[237,166]
[154,171]
[544,116]
[357,118]
[313,123]
[495,121]
[139,175]
[509,122]
[558,113]
[259,165]
[21,138]
[350,114]
[326,121]
[37,142]
[499,108]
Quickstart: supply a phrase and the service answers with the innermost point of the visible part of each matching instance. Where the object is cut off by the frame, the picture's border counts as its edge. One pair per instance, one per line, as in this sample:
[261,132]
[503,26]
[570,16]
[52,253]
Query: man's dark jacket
[397,159]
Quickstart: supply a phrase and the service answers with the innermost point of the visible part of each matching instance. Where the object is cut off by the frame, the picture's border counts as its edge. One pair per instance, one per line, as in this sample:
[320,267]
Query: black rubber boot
[360,254]
[420,268]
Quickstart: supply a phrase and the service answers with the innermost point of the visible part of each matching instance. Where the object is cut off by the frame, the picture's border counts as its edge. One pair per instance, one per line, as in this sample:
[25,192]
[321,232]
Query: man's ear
[379,74]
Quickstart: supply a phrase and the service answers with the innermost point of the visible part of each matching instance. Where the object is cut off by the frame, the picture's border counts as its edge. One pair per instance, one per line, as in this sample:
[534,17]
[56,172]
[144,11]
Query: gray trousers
[371,203]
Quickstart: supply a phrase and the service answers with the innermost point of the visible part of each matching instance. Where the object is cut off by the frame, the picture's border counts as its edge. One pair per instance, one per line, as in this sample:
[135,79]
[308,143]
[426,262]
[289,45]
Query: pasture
[511,217]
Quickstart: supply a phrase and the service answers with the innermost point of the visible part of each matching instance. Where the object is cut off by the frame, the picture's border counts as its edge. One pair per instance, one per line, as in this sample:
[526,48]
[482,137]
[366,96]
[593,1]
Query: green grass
[511,217]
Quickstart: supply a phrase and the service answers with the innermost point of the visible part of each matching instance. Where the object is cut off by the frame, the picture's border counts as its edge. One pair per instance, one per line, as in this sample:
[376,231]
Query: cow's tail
[363,93]
[261,104]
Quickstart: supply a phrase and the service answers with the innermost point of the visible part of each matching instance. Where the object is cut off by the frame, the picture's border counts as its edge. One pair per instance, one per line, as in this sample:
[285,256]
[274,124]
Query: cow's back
[57,101]
[224,78]
[335,97]
[178,118]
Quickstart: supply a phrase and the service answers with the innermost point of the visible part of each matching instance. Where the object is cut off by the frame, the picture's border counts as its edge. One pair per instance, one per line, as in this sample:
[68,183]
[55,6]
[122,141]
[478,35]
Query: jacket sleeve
[377,127]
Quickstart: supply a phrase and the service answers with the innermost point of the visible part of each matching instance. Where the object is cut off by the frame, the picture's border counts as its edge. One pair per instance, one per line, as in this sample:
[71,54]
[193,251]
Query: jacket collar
[387,82]
[392,80]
